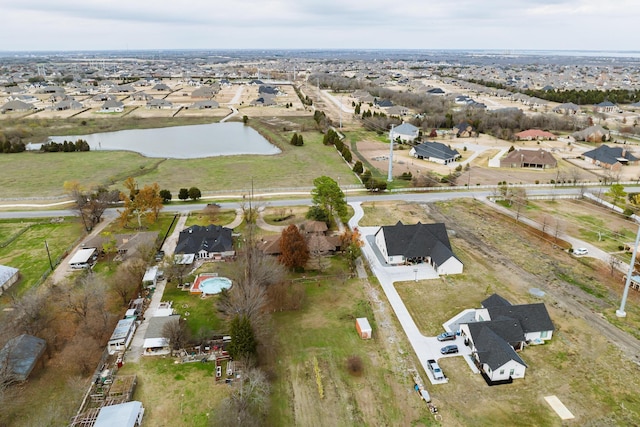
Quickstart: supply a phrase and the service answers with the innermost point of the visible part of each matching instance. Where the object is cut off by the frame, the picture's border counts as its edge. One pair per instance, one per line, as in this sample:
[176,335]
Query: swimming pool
[206,284]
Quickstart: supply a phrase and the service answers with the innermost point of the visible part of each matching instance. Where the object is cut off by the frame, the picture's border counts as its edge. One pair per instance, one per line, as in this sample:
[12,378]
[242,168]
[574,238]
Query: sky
[50,25]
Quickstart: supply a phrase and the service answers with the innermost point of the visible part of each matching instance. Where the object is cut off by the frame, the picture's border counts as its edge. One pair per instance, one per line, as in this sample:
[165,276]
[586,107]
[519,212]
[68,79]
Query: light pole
[620,312]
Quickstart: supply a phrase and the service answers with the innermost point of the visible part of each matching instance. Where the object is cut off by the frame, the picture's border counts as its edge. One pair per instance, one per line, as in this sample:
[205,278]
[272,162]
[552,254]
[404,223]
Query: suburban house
[535,159]
[592,134]
[155,341]
[499,330]
[111,106]
[8,276]
[205,105]
[126,245]
[159,104]
[68,104]
[16,106]
[464,130]
[610,157]
[397,110]
[203,92]
[406,132]
[161,87]
[535,135]
[20,355]
[265,100]
[567,108]
[606,107]
[210,242]
[402,244]
[436,152]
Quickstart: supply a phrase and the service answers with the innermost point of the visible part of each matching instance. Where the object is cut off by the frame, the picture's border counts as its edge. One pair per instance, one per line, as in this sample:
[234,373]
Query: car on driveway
[447,336]
[449,349]
[580,251]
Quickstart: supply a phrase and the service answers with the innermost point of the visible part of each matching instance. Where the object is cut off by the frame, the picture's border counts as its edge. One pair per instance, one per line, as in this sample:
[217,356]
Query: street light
[620,312]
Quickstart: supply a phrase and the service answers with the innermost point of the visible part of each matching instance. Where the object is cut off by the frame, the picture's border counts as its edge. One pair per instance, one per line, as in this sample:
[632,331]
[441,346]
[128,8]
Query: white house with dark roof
[402,244]
[210,242]
[435,152]
[500,330]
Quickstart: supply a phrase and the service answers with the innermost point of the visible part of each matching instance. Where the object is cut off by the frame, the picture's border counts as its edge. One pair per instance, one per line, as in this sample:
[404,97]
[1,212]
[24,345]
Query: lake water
[181,142]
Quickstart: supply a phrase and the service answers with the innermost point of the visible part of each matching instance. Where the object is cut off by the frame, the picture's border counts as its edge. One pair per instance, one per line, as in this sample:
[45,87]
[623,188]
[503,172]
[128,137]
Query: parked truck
[435,369]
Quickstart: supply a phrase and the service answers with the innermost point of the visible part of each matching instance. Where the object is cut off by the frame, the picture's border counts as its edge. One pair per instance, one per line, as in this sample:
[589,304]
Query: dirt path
[570,297]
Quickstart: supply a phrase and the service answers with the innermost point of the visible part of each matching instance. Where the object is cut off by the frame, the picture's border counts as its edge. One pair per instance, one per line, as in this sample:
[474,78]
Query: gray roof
[418,240]
[212,238]
[532,317]
[495,300]
[6,273]
[16,105]
[436,150]
[491,348]
[20,355]
[406,129]
[610,155]
[120,415]
[112,103]
[156,325]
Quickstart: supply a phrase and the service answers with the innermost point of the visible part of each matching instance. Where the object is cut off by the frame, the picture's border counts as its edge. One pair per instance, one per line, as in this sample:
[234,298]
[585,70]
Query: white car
[580,251]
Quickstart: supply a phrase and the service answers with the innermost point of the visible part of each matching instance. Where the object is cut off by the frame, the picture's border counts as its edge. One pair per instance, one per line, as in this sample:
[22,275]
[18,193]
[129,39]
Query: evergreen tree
[243,341]
[183,194]
[358,168]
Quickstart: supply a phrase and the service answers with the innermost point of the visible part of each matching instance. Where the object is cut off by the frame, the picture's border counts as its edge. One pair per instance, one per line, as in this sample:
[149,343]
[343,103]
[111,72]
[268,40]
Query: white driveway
[425,347]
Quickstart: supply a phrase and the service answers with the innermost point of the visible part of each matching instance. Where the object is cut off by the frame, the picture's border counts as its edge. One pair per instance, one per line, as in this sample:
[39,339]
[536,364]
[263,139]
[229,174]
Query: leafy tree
[194,193]
[145,202]
[245,119]
[351,244]
[358,168]
[166,196]
[328,196]
[243,341]
[183,194]
[617,193]
[294,252]
[316,213]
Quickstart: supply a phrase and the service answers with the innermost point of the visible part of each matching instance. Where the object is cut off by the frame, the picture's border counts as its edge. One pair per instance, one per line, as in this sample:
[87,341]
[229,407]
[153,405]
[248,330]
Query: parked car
[435,369]
[447,336]
[580,251]
[449,349]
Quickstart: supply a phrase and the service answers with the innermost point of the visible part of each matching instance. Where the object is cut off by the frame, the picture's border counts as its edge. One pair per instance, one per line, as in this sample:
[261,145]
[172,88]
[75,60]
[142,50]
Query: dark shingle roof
[609,155]
[532,317]
[20,355]
[492,350]
[495,300]
[418,240]
[212,238]
[436,150]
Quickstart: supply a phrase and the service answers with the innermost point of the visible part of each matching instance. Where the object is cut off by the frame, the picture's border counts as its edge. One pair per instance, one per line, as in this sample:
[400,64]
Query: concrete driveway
[425,347]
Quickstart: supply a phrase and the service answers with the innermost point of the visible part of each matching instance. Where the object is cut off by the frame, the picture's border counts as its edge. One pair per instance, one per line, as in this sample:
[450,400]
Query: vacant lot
[501,257]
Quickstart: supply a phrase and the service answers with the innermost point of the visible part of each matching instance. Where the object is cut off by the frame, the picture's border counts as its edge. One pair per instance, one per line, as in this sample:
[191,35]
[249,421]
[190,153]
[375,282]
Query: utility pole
[620,312]
[48,254]
[390,173]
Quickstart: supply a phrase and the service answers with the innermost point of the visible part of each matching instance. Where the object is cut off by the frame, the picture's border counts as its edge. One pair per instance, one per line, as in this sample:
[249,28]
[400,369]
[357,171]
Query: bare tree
[90,203]
[546,221]
[176,269]
[248,402]
[177,332]
[519,197]
[614,262]
[127,278]
[31,313]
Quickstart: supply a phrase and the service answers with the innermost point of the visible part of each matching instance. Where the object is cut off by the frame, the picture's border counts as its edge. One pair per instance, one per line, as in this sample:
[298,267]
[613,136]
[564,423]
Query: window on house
[544,334]
[511,372]
[501,371]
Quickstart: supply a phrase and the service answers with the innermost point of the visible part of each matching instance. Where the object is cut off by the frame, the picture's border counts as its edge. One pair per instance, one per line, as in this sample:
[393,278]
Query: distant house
[435,152]
[314,233]
[20,355]
[535,159]
[402,244]
[397,110]
[464,130]
[610,157]
[499,330]
[210,242]
[265,100]
[16,106]
[606,107]
[159,104]
[8,276]
[205,105]
[111,106]
[383,103]
[568,108]
[206,92]
[594,133]
[161,87]
[435,91]
[271,90]
[141,96]
[406,132]
[535,134]
[68,104]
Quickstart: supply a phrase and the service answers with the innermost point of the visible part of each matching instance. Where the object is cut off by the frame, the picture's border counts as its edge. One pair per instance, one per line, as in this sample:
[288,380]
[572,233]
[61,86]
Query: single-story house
[8,276]
[535,159]
[436,152]
[402,244]
[20,355]
[212,241]
[535,134]
[464,130]
[68,104]
[128,414]
[315,234]
[203,92]
[406,132]
[122,335]
[205,105]
[141,96]
[160,104]
[155,343]
[111,106]
[265,100]
[610,157]
[500,330]
[83,258]
[161,87]
[606,107]
[16,106]
[397,110]
[567,108]
[594,133]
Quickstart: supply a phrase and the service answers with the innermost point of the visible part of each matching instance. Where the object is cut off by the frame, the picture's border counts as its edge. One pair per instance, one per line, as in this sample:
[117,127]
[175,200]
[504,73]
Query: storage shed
[363,327]
[128,414]
[8,276]
[83,258]
[122,335]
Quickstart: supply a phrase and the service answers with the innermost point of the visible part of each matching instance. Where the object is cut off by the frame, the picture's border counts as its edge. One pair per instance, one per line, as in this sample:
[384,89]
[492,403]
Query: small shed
[83,258]
[8,276]
[150,278]
[363,327]
[127,414]
[20,355]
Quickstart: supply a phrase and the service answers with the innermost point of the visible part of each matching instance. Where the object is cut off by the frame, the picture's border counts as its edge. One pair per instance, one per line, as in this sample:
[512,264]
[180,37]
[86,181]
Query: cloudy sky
[318,24]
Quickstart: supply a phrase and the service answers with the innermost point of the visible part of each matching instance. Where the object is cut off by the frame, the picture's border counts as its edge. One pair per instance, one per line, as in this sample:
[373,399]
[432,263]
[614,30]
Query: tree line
[65,146]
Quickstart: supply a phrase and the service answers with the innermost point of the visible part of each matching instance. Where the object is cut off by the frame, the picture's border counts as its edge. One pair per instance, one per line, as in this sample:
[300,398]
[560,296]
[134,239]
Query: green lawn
[25,247]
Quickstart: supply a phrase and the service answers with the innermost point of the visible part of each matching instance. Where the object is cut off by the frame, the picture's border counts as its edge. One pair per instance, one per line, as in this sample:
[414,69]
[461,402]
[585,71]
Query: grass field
[43,174]
[23,247]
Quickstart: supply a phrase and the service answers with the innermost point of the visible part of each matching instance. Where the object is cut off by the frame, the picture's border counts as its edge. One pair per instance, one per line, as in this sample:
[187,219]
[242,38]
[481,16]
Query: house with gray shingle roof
[594,133]
[499,330]
[16,106]
[111,106]
[436,152]
[212,241]
[402,244]
[567,108]
[406,132]
[610,157]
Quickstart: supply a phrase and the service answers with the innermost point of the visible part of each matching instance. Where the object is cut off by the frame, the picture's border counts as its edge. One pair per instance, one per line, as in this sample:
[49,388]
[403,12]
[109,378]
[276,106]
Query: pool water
[214,285]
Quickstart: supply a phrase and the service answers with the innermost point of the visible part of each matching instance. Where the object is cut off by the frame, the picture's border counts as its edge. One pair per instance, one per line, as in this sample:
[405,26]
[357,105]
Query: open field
[576,365]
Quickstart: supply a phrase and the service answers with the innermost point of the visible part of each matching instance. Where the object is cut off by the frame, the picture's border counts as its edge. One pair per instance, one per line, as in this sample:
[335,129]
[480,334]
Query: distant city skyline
[587,25]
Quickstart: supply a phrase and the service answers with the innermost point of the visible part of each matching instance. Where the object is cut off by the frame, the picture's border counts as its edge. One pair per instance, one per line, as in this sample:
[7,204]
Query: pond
[181,142]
